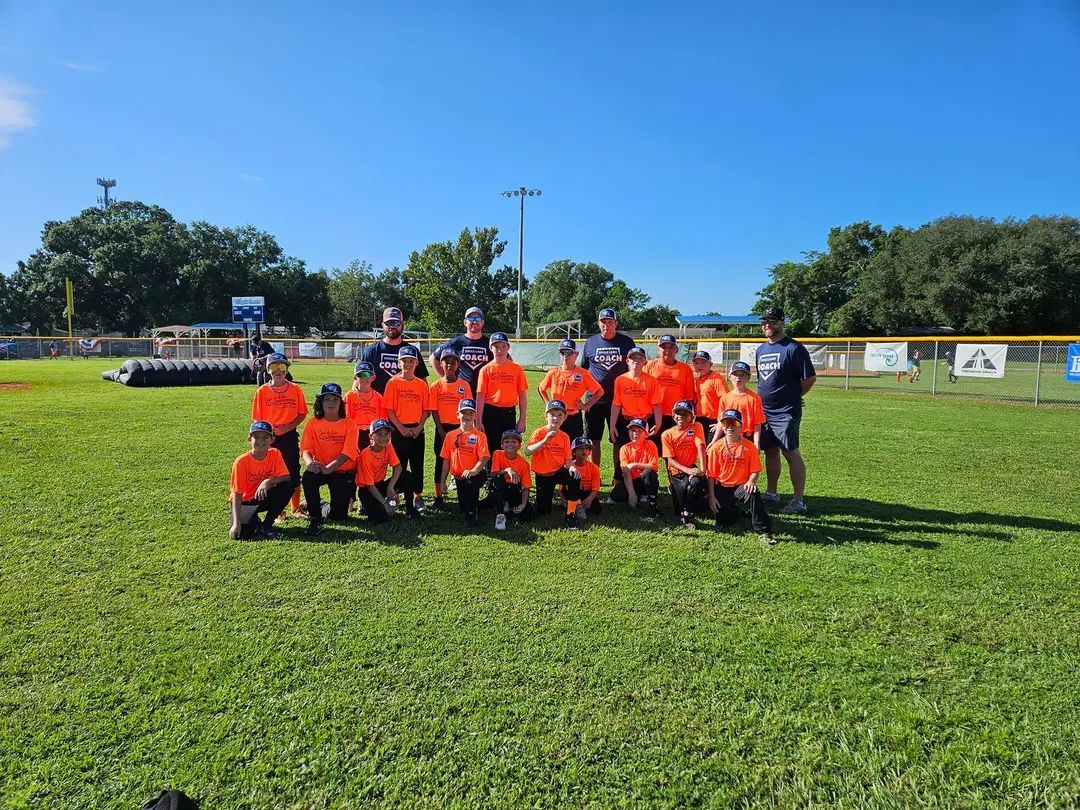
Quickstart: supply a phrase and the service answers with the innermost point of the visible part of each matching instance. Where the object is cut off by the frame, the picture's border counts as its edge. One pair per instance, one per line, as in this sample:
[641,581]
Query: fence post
[847,368]
[933,377]
[1038,372]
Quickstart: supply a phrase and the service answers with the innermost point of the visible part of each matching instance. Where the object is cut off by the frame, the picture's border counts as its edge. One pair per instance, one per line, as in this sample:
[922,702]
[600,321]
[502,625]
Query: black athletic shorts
[780,430]
[596,418]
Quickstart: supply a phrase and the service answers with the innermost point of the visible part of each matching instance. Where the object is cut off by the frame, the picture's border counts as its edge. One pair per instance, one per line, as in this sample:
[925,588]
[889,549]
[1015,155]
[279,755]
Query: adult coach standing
[784,374]
[472,348]
[604,357]
[383,355]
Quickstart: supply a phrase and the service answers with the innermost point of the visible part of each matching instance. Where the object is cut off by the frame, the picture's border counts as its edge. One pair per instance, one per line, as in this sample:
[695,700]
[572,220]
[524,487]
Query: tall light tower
[522,193]
[105,184]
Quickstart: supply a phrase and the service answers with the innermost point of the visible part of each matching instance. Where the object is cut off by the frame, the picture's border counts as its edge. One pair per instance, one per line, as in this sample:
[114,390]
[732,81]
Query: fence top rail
[728,339]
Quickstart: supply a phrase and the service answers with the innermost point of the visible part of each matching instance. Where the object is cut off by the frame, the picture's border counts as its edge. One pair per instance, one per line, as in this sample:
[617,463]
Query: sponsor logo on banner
[981,359]
[885,357]
[748,352]
[1072,364]
[607,357]
[310,350]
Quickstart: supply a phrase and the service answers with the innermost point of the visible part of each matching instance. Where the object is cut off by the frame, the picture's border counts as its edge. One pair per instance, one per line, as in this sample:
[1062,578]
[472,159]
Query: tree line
[975,275]
[134,266]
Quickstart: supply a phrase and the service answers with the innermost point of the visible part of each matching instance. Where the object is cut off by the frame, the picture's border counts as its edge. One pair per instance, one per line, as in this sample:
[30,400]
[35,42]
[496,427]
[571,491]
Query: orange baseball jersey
[570,386]
[710,387]
[733,466]
[590,476]
[464,449]
[681,444]
[326,440]
[552,455]
[639,453]
[278,406]
[409,399]
[676,382]
[637,397]
[248,472]
[518,464]
[445,397]
[364,408]
[749,405]
[500,383]
[371,467]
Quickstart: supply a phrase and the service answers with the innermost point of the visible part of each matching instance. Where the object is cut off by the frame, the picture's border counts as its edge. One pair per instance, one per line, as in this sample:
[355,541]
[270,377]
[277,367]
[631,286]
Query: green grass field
[913,642]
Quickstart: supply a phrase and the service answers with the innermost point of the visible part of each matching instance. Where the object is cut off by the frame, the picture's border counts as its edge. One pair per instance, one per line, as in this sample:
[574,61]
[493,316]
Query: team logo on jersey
[389,362]
[767,364]
[690,432]
[471,440]
[461,390]
[607,357]
[474,356]
[577,378]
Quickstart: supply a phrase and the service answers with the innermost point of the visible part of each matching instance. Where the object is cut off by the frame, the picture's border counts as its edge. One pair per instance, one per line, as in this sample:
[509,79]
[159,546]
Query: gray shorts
[780,430]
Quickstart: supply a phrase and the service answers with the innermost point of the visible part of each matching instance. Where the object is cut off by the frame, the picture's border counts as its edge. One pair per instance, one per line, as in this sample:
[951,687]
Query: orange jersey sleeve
[682,445]
[326,440]
[639,453]
[464,449]
[278,407]
[371,467]
[499,463]
[732,466]
[248,472]
[445,397]
[500,383]
[364,408]
[552,455]
[408,399]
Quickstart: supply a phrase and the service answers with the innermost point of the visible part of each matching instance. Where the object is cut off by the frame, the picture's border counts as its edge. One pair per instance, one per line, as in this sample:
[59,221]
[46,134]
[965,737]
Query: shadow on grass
[399,532]
[856,520]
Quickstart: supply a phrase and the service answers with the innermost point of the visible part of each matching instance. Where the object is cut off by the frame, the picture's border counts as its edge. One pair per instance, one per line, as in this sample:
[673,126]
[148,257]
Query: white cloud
[83,68]
[253,177]
[15,114]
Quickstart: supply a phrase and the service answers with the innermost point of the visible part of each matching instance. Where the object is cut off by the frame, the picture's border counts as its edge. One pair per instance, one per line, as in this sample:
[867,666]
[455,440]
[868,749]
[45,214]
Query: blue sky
[687,147]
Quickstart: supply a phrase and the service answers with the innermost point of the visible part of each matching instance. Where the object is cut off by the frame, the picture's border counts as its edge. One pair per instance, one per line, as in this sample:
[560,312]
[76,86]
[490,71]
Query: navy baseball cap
[258,426]
[636,350]
[392,314]
[466,405]
[581,441]
[739,365]
[511,434]
[773,314]
[567,345]
[408,351]
[555,405]
[471,311]
[363,367]
[380,424]
[278,357]
[330,388]
[683,405]
[607,313]
[499,337]
[731,415]
[449,351]
[667,339]
[701,354]
[638,423]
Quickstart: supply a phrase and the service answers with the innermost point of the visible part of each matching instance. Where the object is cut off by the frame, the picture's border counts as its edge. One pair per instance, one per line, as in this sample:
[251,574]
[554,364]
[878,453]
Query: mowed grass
[913,642]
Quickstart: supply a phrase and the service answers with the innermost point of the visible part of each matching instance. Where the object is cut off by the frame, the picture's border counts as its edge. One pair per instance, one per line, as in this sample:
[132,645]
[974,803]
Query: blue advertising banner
[1072,364]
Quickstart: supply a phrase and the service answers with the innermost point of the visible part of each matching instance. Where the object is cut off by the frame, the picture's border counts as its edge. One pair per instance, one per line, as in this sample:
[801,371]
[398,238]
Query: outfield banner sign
[343,351]
[90,346]
[1072,363]
[748,352]
[981,359]
[309,350]
[818,354]
[885,357]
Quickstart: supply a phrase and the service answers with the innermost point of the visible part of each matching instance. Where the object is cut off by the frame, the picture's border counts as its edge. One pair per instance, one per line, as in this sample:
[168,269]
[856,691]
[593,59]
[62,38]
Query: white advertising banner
[981,359]
[748,353]
[715,350]
[310,350]
[817,354]
[885,357]
[342,350]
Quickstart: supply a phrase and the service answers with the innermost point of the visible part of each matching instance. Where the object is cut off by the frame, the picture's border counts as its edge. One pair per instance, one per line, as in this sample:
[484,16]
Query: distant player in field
[510,481]
[502,393]
[684,451]
[676,380]
[407,404]
[710,385]
[915,366]
[330,448]
[950,363]
[734,466]
[260,482]
[746,402]
[281,403]
[446,394]
[640,468]
[466,451]
[572,385]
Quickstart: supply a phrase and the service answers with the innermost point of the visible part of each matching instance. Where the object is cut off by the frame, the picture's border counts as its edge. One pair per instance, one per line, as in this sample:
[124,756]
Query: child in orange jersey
[329,448]
[502,393]
[407,402]
[637,395]
[710,385]
[363,404]
[581,449]
[281,403]
[684,452]
[446,395]
[377,493]
[640,468]
[746,402]
[552,463]
[676,381]
[572,385]
[734,466]
[510,480]
[466,450]
[260,482]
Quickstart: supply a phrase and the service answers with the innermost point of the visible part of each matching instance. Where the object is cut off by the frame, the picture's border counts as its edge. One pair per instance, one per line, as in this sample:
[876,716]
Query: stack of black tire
[161,373]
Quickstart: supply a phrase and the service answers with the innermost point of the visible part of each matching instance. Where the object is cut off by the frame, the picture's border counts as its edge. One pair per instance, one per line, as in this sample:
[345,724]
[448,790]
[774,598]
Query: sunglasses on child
[363,375]
[279,367]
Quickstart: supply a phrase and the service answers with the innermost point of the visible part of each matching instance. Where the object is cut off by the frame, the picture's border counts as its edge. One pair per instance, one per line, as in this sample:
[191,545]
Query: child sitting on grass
[260,482]
[640,469]
[510,481]
[734,466]
[329,447]
[589,474]
[377,493]
[684,452]
[466,450]
[549,450]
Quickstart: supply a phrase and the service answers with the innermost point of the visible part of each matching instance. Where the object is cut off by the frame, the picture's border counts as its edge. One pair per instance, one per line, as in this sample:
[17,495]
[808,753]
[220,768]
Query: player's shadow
[857,520]
[397,532]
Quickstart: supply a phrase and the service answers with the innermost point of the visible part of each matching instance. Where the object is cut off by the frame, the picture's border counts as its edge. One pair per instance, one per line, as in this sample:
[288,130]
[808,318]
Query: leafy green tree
[358,294]
[224,262]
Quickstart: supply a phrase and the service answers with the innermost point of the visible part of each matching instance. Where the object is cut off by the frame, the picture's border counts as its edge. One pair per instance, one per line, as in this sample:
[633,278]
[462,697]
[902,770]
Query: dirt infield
[14,386]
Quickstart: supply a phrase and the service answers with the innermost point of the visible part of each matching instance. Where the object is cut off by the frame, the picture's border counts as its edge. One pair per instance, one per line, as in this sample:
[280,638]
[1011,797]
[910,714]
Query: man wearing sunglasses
[472,348]
[784,374]
[383,355]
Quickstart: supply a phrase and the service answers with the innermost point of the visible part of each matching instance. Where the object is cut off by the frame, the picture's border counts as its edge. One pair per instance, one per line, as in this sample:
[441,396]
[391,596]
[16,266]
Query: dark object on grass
[161,373]
[171,800]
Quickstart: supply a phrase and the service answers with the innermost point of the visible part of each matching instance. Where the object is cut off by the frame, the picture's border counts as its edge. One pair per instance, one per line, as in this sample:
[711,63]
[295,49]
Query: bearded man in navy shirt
[784,374]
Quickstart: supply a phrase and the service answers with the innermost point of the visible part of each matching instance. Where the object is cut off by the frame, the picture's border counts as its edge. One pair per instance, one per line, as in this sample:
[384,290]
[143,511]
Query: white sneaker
[500,521]
[609,501]
[794,508]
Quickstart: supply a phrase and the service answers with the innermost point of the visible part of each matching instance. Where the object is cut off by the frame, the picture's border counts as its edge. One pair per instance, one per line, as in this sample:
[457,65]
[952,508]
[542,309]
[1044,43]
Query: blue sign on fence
[248,308]
[1072,363]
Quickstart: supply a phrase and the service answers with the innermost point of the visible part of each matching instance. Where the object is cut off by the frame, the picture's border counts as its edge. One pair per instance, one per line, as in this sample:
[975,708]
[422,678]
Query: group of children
[368,448]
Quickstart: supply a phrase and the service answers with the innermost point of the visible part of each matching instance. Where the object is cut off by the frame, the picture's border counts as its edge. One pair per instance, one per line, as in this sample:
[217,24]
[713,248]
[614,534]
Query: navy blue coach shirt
[781,368]
[384,358]
[475,353]
[606,360]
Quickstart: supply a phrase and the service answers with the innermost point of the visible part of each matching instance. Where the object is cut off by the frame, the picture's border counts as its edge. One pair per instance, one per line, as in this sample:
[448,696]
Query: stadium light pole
[522,193]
